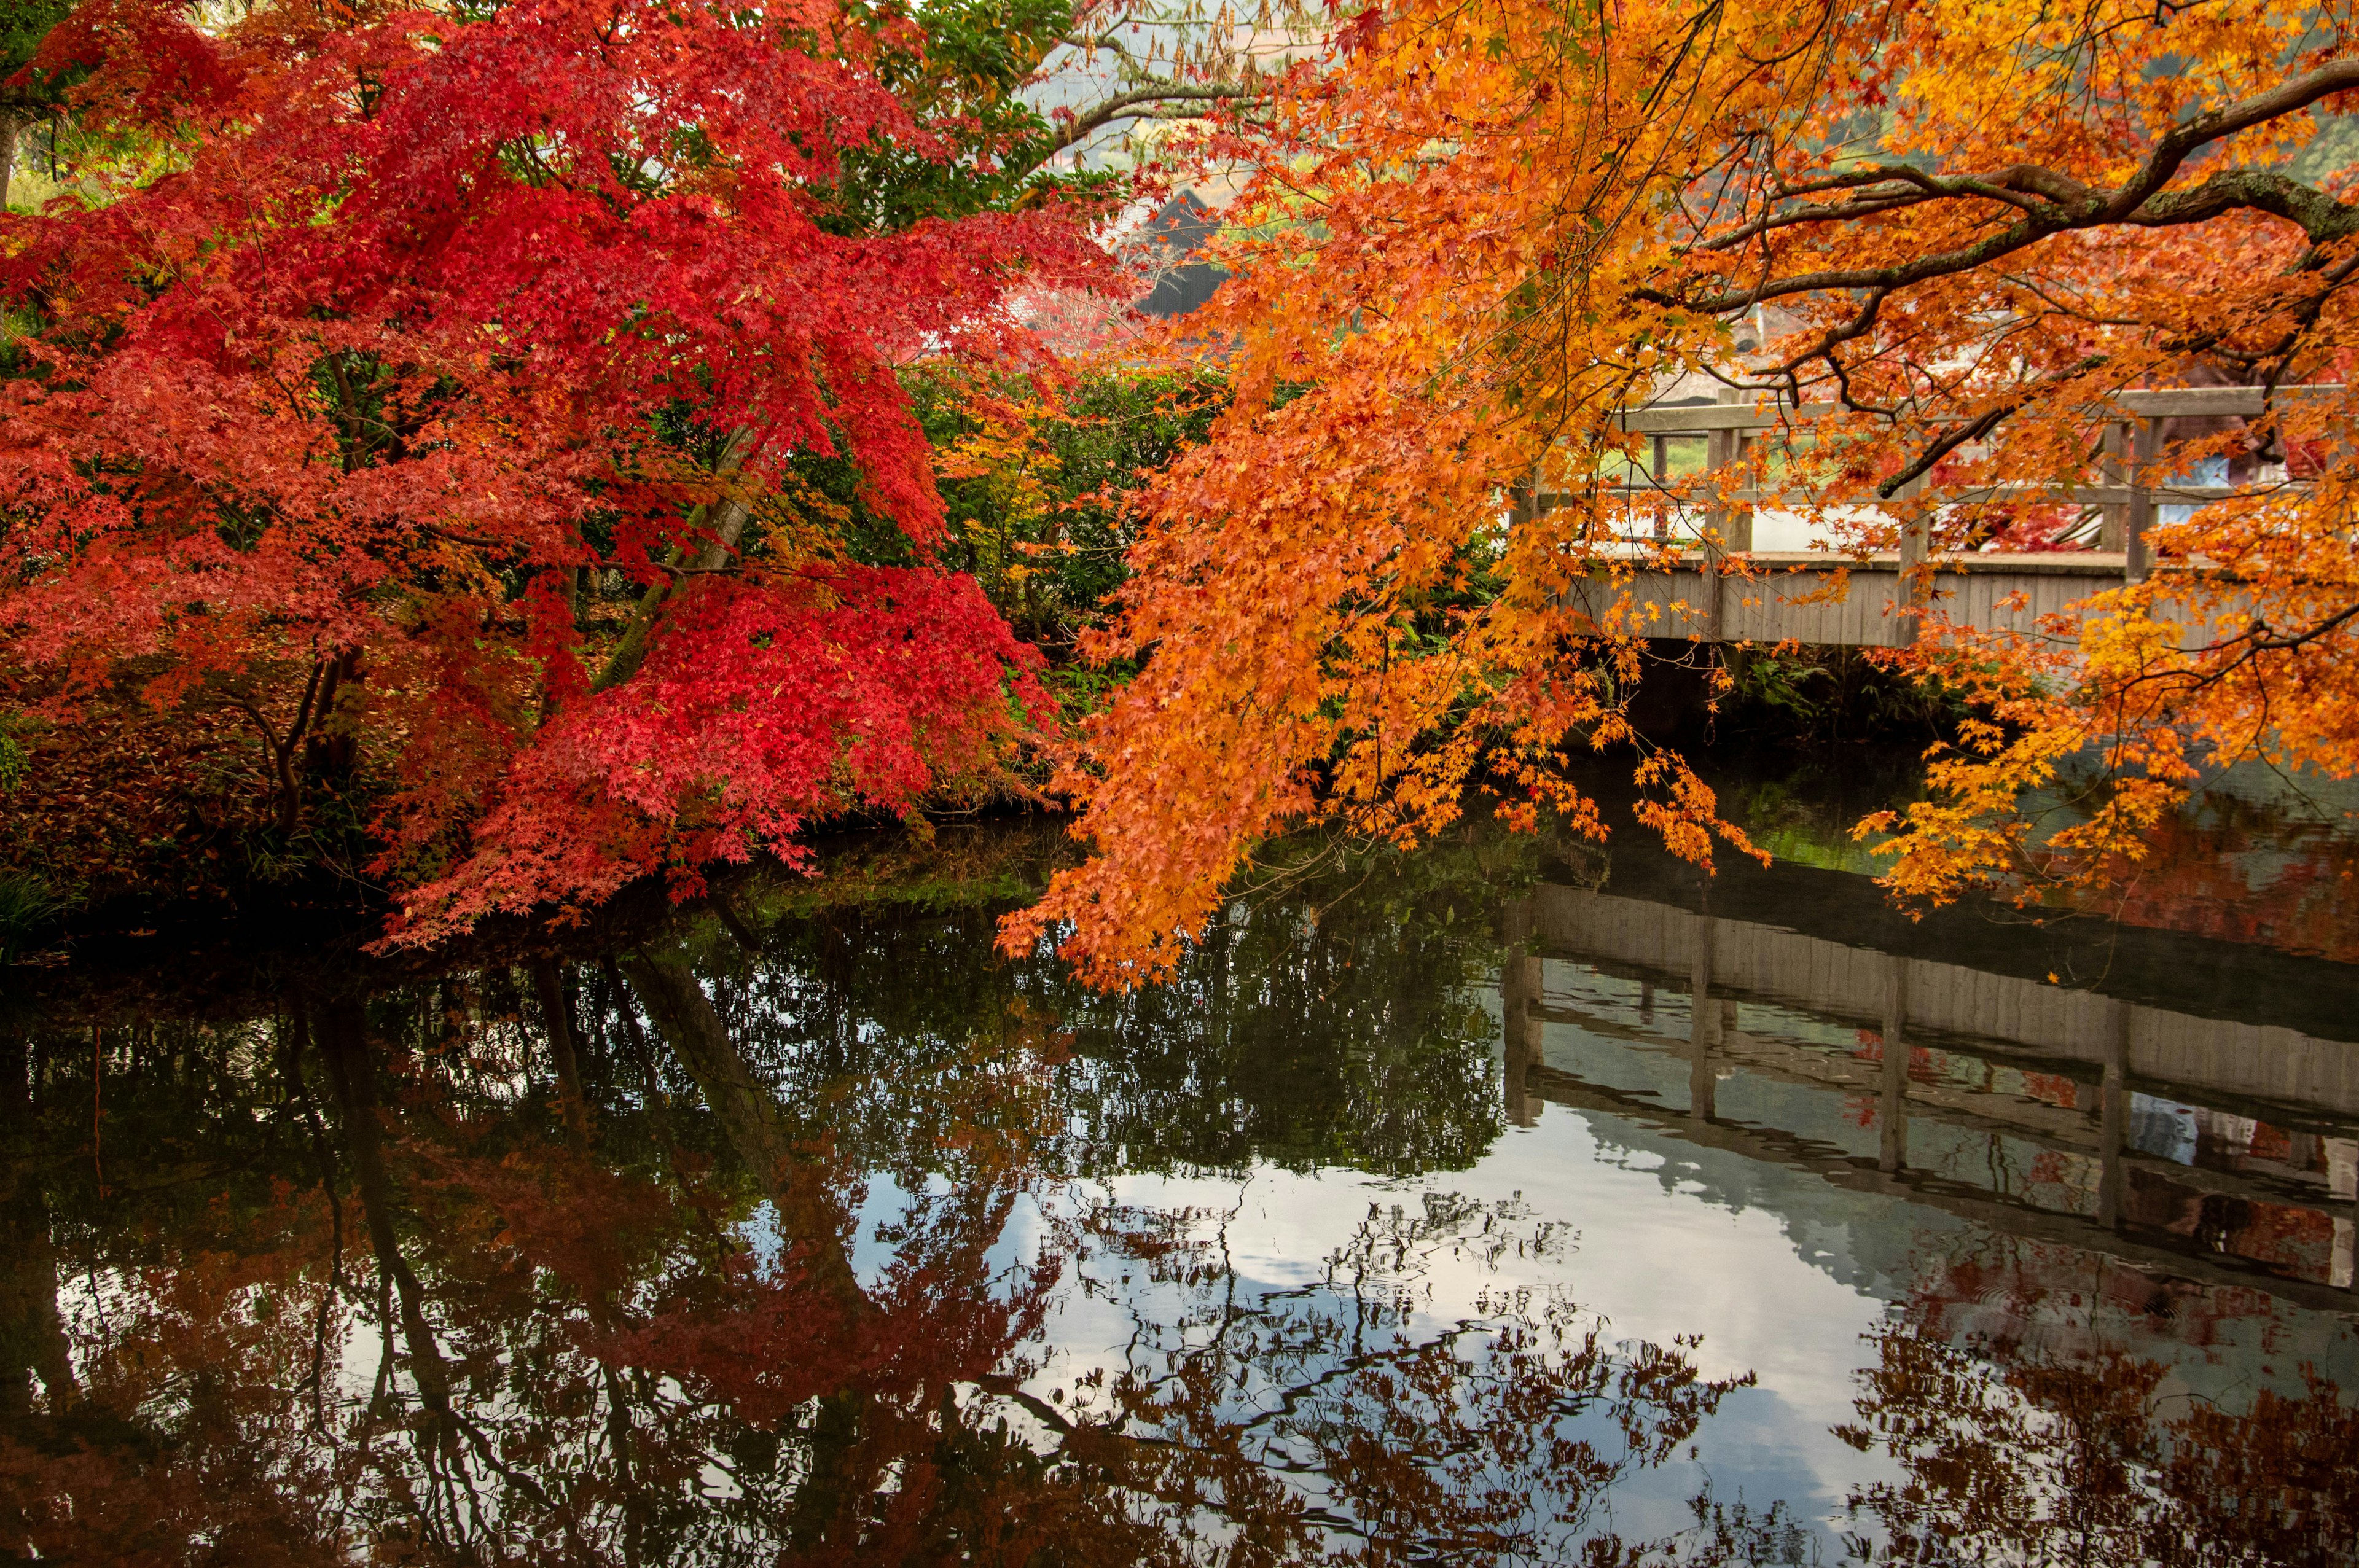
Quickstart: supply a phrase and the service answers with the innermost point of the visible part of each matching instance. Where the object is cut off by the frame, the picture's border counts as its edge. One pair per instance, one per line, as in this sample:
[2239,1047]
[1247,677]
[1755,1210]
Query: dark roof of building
[1179,231]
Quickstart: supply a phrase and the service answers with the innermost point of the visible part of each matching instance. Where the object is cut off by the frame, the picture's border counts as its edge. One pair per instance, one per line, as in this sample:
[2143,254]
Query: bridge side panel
[1808,607]
[2263,1062]
[1662,604]
[1976,597]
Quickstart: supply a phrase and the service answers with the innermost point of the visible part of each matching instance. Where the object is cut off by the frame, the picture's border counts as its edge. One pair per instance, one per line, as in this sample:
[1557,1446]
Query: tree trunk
[813,1223]
[558,1018]
[728,523]
[343,1046]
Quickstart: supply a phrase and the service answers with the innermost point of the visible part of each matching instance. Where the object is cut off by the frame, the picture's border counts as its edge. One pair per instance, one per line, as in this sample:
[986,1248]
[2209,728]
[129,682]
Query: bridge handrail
[2133,435]
[2119,407]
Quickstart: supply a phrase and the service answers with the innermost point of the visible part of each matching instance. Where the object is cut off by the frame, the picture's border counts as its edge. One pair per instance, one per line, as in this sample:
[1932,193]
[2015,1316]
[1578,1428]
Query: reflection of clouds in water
[1770,1272]
[2162,1128]
[1546,1220]
[1650,1263]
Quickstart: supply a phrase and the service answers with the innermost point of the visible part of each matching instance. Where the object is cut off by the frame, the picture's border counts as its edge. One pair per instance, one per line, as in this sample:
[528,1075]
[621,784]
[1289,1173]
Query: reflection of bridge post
[2113,1114]
[1519,989]
[1703,1026]
[2341,1156]
[1892,1108]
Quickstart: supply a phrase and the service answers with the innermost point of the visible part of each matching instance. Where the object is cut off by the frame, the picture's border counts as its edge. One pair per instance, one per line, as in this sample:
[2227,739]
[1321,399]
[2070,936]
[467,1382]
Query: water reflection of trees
[1342,1025]
[565,1262]
[1341,1022]
[1496,1439]
[747,1239]
[2049,1442]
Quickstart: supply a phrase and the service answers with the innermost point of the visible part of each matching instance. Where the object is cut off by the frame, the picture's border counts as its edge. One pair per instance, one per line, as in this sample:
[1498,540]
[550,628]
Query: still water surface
[1510,1201]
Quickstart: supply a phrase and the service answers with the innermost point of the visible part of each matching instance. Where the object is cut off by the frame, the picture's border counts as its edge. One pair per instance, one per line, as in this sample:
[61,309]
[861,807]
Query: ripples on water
[1504,1203]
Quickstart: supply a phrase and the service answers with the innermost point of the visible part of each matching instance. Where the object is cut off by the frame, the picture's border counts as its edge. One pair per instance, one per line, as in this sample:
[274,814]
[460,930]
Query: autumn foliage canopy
[427,392]
[1484,230]
[418,338]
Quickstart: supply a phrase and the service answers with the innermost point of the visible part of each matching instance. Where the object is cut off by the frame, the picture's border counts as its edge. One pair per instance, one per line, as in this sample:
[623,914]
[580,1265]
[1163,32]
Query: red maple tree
[421,388]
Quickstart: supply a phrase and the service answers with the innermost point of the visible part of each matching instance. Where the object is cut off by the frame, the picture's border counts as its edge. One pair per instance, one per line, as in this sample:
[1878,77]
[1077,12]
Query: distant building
[1176,233]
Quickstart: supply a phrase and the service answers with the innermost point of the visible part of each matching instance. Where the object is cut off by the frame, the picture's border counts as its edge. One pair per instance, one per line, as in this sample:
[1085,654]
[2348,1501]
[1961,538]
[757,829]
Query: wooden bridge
[1752,998]
[1726,590]
[1762,596]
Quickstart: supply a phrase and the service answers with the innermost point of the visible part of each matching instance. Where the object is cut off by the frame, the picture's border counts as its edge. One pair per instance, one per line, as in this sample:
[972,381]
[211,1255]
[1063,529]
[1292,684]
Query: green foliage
[1051,552]
[23,25]
[1116,427]
[1785,686]
[989,148]
[1823,696]
[1035,489]
[29,907]
[1083,688]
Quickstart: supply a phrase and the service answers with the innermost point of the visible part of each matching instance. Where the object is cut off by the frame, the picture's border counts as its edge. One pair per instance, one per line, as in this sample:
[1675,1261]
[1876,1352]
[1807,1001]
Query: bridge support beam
[1893,1106]
[2148,447]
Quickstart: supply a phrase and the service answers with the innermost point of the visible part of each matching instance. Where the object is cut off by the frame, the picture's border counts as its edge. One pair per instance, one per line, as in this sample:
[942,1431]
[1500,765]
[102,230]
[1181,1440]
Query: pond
[1513,1201]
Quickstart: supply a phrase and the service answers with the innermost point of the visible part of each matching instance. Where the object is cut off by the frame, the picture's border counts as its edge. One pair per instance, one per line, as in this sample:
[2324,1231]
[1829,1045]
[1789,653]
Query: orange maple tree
[1480,233]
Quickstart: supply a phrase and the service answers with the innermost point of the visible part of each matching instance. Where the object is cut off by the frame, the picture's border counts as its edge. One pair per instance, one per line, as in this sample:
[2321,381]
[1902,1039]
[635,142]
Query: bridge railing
[2130,426]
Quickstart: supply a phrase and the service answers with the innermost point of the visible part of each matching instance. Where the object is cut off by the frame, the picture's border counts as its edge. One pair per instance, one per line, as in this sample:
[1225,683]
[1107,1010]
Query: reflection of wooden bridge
[1726,590]
[2112,1052]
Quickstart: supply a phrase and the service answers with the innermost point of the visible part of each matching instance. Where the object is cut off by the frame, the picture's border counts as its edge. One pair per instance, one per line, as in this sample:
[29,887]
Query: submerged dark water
[1509,1202]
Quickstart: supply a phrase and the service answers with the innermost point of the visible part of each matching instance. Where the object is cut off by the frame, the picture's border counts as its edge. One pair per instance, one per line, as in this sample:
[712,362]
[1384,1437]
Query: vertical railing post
[2343,1269]
[2113,1114]
[1662,471]
[2113,472]
[1519,989]
[1892,1108]
[1719,457]
[1737,527]
[1910,589]
[2147,449]
[1703,1026]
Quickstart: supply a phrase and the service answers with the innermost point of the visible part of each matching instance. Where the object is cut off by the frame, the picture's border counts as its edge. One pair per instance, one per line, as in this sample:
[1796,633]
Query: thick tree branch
[2321,216]
[1941,263]
[2051,202]
[1132,104]
[2262,640]
[633,646]
[2181,143]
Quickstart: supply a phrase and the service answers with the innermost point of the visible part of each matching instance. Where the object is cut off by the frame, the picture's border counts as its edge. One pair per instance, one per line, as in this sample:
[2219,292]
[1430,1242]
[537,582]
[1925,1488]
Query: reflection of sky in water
[2162,1128]
[1778,1272]
[1652,1259]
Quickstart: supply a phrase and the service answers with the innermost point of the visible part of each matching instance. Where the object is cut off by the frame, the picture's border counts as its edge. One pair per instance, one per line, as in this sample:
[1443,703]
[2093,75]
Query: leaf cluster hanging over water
[1482,231]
